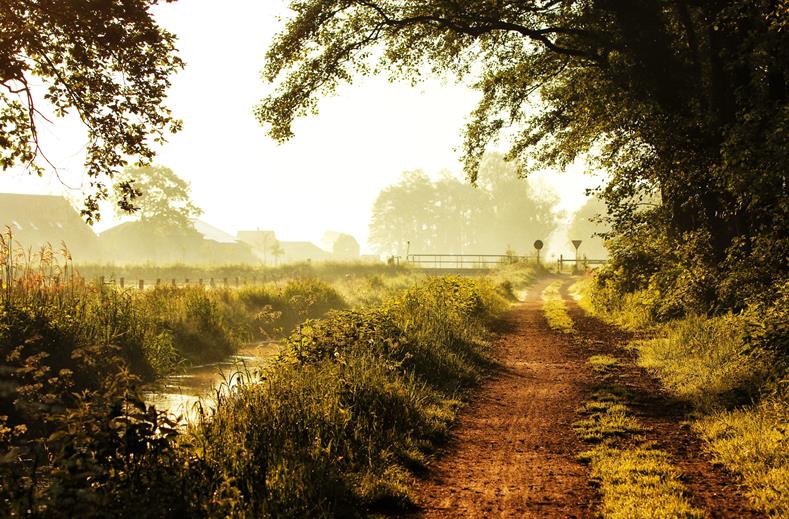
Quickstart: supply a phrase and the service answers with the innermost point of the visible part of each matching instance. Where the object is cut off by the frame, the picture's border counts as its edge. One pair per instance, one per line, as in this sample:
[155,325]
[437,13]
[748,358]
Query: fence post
[158,282]
[122,282]
[174,283]
[142,284]
[186,282]
[236,281]
[211,282]
[101,281]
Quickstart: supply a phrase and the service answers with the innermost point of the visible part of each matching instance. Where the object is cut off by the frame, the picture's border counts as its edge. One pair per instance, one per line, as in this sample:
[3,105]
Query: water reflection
[180,394]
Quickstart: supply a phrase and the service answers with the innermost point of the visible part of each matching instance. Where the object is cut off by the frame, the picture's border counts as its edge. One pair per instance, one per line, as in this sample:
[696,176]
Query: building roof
[302,250]
[35,220]
[258,239]
[210,232]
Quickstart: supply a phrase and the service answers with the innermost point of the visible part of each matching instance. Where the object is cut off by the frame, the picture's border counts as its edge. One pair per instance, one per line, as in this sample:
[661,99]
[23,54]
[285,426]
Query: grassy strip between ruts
[732,368]
[332,428]
[555,309]
[635,480]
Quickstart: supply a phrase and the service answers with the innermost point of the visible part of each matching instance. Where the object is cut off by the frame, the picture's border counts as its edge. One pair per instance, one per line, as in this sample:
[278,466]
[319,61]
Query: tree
[345,247]
[106,61]
[161,197]
[403,213]
[276,251]
[686,101]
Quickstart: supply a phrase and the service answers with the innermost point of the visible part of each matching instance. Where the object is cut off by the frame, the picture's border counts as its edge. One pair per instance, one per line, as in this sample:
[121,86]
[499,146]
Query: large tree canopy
[106,61]
[683,101]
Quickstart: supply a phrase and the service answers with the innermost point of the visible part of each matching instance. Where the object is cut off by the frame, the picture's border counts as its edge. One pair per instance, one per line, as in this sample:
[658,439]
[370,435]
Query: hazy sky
[327,177]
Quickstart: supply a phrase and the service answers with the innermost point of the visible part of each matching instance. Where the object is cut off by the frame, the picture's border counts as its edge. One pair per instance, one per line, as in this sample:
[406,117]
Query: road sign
[576,244]
[538,244]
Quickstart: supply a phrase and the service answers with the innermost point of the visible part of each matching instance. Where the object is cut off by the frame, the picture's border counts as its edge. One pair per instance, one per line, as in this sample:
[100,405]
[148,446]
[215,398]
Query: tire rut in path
[512,453]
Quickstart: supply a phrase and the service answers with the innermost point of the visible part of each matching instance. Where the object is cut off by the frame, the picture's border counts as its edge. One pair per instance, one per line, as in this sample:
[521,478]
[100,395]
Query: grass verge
[639,483]
[635,480]
[733,370]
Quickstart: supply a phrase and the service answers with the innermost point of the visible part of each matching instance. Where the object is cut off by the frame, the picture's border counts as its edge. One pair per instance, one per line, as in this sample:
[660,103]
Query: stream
[180,393]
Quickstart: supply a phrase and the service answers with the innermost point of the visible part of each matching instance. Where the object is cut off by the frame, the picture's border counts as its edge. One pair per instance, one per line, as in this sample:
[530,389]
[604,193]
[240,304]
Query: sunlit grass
[714,364]
[704,361]
[639,483]
[635,480]
[603,363]
[514,279]
[555,309]
[754,442]
[628,311]
[604,420]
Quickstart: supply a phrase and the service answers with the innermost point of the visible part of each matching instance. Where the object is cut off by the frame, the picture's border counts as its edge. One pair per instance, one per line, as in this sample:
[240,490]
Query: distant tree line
[451,216]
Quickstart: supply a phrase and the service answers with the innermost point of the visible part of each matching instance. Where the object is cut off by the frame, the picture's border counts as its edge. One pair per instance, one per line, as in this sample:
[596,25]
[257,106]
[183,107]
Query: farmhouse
[37,220]
[295,251]
[141,242]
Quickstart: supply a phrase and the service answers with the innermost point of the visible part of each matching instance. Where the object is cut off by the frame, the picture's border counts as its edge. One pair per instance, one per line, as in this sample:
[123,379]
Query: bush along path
[569,426]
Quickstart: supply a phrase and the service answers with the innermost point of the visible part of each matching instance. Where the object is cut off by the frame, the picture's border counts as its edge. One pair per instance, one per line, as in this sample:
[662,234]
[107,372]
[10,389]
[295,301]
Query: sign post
[538,246]
[576,244]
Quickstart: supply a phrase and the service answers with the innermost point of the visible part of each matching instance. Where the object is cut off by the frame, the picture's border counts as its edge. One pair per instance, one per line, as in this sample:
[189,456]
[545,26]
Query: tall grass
[512,279]
[325,271]
[705,361]
[154,330]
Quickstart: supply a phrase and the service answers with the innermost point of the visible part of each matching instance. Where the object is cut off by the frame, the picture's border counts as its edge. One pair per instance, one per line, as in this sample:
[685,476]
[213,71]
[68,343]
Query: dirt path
[513,449]
[512,453]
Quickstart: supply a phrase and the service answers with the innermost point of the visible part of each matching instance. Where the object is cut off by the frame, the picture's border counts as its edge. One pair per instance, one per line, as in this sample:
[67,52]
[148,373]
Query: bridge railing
[464,261]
